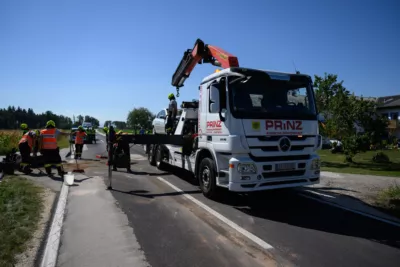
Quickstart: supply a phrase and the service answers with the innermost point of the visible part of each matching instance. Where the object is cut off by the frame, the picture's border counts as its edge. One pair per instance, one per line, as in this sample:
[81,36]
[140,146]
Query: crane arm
[202,53]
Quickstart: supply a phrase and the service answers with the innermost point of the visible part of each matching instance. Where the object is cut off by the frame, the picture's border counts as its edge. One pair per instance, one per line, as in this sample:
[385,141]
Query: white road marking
[53,241]
[351,210]
[100,133]
[317,193]
[225,220]
[101,141]
[138,157]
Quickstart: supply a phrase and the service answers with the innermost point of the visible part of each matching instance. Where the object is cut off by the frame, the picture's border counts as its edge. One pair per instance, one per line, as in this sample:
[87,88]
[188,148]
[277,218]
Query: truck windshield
[258,96]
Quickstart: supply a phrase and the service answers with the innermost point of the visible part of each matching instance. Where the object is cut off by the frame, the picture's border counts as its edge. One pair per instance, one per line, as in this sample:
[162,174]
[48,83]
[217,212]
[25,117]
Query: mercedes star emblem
[284,144]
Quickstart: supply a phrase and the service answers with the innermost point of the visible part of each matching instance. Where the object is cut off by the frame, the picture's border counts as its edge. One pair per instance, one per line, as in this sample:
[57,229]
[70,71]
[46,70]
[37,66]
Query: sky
[104,58]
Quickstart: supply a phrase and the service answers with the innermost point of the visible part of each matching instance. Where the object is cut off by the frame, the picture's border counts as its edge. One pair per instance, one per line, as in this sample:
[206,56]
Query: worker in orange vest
[50,149]
[25,148]
[36,144]
[79,140]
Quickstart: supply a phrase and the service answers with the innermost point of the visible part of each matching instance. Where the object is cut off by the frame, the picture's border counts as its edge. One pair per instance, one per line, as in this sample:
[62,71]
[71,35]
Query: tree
[119,124]
[343,112]
[11,118]
[107,123]
[79,119]
[333,100]
[141,117]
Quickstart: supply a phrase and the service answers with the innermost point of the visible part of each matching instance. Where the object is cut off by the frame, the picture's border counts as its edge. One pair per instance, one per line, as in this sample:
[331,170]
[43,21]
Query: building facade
[389,106]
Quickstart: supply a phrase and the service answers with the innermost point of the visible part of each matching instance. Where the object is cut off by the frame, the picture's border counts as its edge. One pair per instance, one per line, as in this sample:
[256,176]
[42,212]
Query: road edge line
[100,133]
[351,210]
[225,220]
[50,254]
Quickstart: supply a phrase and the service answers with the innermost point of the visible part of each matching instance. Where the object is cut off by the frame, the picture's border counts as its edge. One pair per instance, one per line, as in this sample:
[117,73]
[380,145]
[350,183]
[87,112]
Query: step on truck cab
[251,130]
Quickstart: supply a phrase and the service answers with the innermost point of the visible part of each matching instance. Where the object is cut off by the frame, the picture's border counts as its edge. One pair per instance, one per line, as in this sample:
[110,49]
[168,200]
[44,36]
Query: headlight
[246,168]
[315,164]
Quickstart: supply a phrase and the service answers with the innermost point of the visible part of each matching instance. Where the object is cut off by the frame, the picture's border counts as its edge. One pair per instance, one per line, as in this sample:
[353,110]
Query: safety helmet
[171,96]
[50,123]
[24,126]
[37,132]
[80,128]
[105,128]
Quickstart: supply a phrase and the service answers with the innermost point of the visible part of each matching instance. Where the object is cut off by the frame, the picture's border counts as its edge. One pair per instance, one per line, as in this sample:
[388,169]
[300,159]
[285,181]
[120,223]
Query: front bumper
[266,176]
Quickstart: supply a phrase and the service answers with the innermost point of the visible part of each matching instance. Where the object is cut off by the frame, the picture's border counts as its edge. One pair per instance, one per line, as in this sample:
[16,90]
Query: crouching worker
[121,147]
[79,141]
[25,147]
[49,148]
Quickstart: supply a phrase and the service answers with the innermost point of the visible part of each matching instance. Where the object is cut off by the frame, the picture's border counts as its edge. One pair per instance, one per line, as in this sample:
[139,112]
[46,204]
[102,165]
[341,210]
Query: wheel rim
[158,156]
[205,177]
[150,154]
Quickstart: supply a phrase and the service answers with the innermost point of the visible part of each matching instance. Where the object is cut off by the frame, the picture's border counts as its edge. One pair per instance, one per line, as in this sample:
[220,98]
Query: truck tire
[150,156]
[159,155]
[207,178]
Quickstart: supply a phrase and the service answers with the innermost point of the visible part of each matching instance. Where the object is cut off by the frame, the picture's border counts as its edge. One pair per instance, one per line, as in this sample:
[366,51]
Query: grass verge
[363,163]
[389,200]
[20,209]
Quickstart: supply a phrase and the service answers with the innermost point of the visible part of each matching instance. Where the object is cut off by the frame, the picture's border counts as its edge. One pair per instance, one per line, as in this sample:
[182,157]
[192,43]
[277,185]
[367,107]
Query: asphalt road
[172,230]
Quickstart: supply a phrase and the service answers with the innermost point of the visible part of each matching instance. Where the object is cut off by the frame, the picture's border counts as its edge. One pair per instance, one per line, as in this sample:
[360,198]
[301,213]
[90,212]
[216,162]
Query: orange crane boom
[201,53]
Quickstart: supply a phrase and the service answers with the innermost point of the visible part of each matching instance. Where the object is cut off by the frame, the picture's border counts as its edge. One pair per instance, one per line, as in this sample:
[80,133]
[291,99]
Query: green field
[363,163]
[9,139]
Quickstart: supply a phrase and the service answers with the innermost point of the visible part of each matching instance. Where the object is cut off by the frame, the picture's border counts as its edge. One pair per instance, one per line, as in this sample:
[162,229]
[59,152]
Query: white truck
[251,130]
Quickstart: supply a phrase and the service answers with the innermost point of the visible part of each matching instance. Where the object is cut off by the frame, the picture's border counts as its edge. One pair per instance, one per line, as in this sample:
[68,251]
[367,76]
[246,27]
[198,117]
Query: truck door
[215,110]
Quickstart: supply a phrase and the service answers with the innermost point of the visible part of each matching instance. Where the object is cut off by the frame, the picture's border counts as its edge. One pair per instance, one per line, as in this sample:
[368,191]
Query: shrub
[389,199]
[8,141]
[380,157]
[354,144]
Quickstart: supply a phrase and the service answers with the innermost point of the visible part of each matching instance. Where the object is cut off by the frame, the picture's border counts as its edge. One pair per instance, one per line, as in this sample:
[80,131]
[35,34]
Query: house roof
[388,101]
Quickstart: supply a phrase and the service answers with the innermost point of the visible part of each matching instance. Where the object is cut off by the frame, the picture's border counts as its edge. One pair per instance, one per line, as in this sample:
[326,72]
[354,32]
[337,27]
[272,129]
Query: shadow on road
[146,194]
[289,208]
[182,174]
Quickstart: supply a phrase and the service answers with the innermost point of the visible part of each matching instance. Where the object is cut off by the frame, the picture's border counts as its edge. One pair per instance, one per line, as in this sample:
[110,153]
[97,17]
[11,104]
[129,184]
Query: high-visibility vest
[79,137]
[26,138]
[49,140]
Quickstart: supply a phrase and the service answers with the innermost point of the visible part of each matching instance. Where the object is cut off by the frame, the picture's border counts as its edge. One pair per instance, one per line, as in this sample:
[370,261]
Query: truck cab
[260,128]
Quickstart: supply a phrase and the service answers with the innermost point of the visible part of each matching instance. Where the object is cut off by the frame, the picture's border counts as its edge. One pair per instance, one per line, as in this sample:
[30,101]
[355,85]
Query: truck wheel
[159,157]
[151,157]
[207,178]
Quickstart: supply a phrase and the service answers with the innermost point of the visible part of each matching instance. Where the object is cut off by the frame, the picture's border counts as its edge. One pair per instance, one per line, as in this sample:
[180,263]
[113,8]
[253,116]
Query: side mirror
[214,108]
[162,117]
[320,117]
[214,100]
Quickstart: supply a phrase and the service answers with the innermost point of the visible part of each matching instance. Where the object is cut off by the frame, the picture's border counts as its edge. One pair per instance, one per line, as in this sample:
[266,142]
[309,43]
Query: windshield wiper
[247,78]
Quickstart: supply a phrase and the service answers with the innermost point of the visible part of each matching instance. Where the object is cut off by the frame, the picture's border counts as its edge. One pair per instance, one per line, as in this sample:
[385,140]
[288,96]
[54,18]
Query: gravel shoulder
[357,192]
[362,187]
